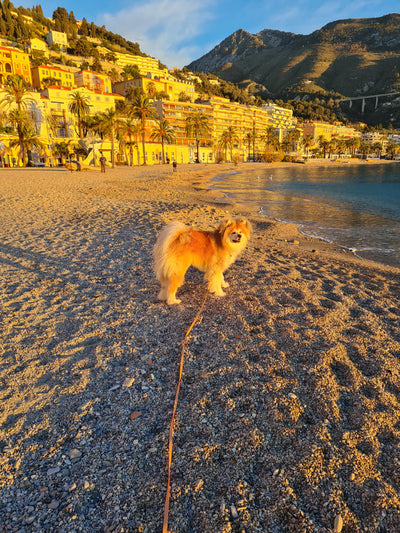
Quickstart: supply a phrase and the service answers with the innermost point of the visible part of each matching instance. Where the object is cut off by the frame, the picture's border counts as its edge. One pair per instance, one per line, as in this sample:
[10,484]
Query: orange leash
[171,427]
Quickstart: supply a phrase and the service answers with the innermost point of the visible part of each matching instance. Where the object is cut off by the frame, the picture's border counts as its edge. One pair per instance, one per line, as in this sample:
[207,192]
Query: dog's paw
[217,292]
[173,301]
[225,284]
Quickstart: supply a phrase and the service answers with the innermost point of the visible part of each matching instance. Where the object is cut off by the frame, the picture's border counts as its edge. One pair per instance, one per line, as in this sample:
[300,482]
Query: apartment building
[26,18]
[176,114]
[279,117]
[57,37]
[95,81]
[243,118]
[394,137]
[14,61]
[327,131]
[42,74]
[39,45]
[57,101]
[147,66]
[246,119]
[373,136]
[174,88]
[169,86]
[221,114]
[122,87]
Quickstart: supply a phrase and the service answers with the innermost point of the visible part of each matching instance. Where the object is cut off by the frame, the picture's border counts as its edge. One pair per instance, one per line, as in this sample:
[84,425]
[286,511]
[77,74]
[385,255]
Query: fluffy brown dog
[212,252]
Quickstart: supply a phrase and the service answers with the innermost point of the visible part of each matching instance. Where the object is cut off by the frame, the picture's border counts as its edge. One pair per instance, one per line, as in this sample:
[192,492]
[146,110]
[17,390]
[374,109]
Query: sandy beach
[289,413]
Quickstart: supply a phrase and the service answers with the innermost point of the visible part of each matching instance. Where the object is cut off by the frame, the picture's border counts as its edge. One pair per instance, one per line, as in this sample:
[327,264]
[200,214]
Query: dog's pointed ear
[225,224]
[245,224]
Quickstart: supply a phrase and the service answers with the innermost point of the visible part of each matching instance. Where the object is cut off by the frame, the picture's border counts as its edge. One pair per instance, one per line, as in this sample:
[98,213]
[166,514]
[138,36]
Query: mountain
[351,57]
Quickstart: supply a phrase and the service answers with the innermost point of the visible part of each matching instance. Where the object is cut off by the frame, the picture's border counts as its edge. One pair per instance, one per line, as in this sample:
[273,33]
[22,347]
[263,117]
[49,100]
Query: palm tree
[163,132]
[286,145]
[19,119]
[110,125]
[17,95]
[365,148]
[269,137]
[142,109]
[228,139]
[197,126]
[332,146]
[30,139]
[151,90]
[79,106]
[324,145]
[377,148]
[293,138]
[90,123]
[62,149]
[352,144]
[114,74]
[250,139]
[307,142]
[131,130]
[223,142]
[53,123]
[340,146]
[392,149]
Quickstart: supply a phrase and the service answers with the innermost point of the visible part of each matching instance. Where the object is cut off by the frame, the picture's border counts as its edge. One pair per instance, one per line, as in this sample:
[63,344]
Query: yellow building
[176,113]
[222,114]
[27,19]
[244,119]
[174,88]
[38,45]
[59,76]
[94,81]
[55,124]
[279,117]
[11,156]
[56,102]
[13,61]
[57,37]
[122,87]
[147,66]
[169,86]
[327,131]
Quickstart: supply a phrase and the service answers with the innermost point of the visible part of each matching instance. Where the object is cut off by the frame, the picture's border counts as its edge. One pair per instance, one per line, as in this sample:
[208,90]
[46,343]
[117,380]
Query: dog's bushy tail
[162,258]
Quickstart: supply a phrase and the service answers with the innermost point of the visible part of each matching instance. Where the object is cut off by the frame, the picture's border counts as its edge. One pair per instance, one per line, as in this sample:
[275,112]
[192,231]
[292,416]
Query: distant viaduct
[351,99]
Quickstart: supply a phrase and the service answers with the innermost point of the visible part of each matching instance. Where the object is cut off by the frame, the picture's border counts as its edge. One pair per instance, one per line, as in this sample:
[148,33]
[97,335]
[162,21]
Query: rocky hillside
[350,57]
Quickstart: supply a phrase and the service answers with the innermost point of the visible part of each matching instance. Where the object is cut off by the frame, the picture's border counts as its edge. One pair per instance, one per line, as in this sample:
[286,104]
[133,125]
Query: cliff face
[238,46]
[354,56]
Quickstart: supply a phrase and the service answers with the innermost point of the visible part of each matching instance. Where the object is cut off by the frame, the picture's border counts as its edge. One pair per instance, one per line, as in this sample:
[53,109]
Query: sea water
[354,206]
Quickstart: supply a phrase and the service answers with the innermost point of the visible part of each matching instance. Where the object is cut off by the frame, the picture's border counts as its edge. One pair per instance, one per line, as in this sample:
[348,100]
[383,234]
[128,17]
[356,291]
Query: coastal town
[57,109]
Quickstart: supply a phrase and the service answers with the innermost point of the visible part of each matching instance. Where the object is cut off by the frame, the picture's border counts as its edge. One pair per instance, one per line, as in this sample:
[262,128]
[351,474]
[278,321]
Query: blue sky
[180,31]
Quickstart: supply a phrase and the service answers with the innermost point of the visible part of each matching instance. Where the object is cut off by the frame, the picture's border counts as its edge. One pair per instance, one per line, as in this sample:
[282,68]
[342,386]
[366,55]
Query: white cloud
[165,29]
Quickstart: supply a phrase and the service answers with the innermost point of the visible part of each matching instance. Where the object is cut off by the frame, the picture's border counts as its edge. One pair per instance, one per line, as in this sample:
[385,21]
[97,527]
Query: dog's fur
[178,247]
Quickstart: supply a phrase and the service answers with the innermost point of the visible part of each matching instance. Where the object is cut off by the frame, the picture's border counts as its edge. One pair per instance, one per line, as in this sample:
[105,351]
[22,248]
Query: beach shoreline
[289,411]
[313,205]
